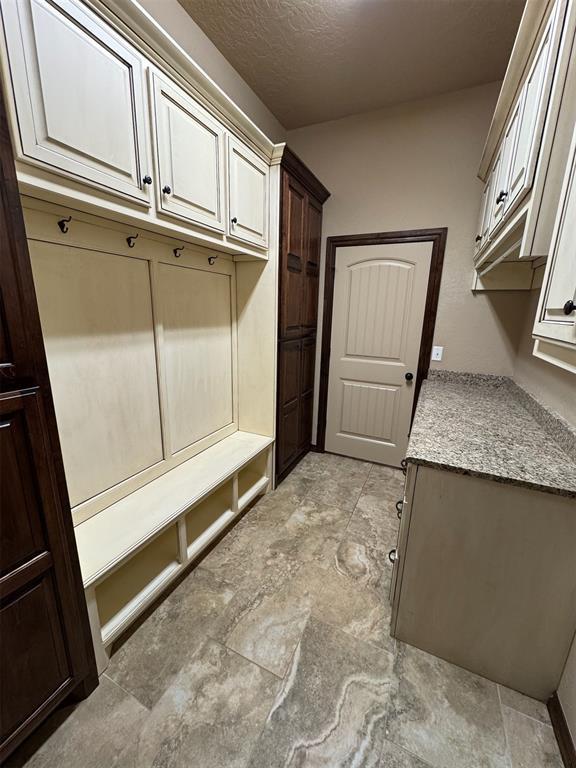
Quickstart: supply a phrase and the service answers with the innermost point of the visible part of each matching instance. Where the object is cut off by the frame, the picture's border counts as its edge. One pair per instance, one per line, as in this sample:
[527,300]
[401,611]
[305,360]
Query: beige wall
[170,15]
[410,167]
[554,386]
[567,691]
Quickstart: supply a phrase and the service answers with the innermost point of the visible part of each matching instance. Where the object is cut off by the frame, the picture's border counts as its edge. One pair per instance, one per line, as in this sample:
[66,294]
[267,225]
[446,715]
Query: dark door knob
[569,307]
[166,190]
[501,196]
[478,238]
[234,220]
[147,179]
[409,376]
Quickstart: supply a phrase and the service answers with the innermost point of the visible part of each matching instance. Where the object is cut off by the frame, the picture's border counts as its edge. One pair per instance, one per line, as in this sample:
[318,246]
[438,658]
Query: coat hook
[212,259]
[131,240]
[63,224]
[177,251]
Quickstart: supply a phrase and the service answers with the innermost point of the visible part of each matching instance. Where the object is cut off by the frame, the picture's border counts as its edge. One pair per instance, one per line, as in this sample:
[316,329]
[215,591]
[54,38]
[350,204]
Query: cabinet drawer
[190,147]
[248,195]
[79,95]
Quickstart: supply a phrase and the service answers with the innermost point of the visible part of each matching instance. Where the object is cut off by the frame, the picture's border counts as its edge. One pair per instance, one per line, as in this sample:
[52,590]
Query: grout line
[408,752]
[128,693]
[501,707]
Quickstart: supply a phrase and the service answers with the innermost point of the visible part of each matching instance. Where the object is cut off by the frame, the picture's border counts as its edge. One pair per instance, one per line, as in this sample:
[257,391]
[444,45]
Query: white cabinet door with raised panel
[556,318]
[504,162]
[79,94]
[190,146]
[482,233]
[534,97]
[248,207]
[195,313]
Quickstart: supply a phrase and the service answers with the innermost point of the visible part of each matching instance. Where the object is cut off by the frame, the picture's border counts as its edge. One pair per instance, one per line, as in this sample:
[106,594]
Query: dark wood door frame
[438,239]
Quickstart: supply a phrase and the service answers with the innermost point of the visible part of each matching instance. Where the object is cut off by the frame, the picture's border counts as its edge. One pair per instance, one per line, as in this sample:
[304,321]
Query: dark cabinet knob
[166,190]
[404,465]
[399,505]
[501,197]
[392,556]
[477,238]
[147,179]
[569,307]
[234,220]
[409,376]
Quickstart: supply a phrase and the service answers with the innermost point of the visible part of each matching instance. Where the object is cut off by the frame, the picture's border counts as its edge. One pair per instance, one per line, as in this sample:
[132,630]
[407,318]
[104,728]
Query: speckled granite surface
[486,426]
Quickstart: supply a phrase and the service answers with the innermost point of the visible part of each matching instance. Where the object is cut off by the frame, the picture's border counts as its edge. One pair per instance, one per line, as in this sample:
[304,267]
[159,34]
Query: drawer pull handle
[569,307]
[399,505]
[392,556]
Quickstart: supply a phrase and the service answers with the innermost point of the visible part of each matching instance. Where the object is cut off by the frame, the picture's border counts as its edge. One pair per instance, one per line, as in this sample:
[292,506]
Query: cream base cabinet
[190,151]
[555,325]
[476,566]
[248,195]
[79,95]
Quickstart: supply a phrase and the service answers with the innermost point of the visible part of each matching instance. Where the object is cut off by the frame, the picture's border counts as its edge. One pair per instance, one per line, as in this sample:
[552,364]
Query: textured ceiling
[316,60]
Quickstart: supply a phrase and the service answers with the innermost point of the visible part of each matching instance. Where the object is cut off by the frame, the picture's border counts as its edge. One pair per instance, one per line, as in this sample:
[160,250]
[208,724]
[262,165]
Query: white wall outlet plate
[437,353]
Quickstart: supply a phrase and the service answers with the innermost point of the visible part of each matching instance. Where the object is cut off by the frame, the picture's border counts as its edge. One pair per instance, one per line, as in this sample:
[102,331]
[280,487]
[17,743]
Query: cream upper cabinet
[79,95]
[502,168]
[190,150]
[531,121]
[556,317]
[248,195]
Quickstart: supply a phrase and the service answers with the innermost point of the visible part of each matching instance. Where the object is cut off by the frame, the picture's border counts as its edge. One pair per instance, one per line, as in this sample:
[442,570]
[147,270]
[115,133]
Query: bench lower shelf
[171,526]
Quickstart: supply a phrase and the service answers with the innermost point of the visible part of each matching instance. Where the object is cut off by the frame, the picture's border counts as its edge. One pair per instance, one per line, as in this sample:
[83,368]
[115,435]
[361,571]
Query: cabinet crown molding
[292,163]
[129,17]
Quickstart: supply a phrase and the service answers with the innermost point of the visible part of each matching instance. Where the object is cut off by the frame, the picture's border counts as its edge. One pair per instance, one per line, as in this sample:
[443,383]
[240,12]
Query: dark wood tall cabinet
[46,651]
[301,199]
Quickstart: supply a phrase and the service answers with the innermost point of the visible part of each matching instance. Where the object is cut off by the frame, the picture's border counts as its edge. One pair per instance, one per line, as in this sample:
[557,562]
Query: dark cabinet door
[307,360]
[288,438]
[312,266]
[45,647]
[300,243]
[293,256]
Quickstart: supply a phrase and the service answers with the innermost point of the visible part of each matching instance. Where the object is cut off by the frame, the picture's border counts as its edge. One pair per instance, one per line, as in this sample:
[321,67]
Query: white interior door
[378,311]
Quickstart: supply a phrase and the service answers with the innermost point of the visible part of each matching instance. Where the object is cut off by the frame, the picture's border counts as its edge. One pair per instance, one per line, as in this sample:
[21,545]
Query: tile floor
[275,651]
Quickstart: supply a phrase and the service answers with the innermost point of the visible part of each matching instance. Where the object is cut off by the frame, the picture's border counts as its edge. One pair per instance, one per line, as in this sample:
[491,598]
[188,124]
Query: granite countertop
[488,426]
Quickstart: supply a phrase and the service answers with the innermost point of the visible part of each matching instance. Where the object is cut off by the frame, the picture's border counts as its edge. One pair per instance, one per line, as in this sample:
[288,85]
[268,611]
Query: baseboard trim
[562,732]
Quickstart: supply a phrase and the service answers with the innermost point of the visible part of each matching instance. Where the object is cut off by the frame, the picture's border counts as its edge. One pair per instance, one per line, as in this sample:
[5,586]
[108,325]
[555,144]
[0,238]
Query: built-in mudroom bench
[151,212]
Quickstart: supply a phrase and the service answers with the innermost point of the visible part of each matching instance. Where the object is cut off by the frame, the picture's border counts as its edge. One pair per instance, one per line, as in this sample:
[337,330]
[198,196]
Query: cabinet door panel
[479,242]
[22,534]
[80,94]
[248,191]
[560,279]
[96,314]
[500,191]
[196,315]
[293,256]
[289,373]
[190,147]
[311,279]
[533,111]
